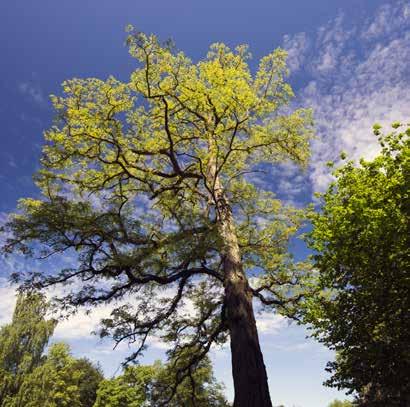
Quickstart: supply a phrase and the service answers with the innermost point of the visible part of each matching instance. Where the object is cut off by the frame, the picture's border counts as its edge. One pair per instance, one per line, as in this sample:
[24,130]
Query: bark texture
[248,368]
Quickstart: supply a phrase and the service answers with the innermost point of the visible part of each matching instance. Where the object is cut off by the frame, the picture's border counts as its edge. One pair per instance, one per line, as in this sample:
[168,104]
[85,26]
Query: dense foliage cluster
[339,403]
[22,344]
[362,240]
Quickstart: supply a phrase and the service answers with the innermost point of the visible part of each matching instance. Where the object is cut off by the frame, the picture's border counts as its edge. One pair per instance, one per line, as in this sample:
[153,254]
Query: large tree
[22,343]
[149,183]
[361,237]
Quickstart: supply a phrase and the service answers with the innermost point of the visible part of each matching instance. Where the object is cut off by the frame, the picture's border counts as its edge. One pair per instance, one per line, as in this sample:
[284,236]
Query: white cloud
[388,19]
[291,181]
[77,326]
[33,92]
[158,343]
[82,324]
[296,46]
[330,41]
[8,300]
[359,76]
[269,323]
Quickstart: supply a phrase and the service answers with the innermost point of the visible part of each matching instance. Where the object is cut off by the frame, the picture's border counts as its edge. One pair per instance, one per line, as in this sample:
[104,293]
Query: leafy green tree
[53,384]
[149,182]
[199,389]
[361,237]
[131,389]
[61,381]
[339,403]
[22,343]
[91,377]
[152,386]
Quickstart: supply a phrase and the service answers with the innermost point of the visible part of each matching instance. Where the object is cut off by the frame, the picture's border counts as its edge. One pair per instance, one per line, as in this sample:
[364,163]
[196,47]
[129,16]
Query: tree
[28,376]
[91,377]
[361,237]
[200,389]
[150,386]
[61,381]
[339,403]
[22,343]
[131,389]
[149,182]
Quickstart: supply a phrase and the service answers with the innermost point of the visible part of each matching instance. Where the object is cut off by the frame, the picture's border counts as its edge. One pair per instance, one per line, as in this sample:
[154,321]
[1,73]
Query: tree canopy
[131,389]
[61,381]
[155,186]
[22,343]
[361,237]
[339,403]
[150,386]
[30,377]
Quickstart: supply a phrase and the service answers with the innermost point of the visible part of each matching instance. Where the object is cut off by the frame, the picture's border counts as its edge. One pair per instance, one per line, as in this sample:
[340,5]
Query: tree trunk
[248,369]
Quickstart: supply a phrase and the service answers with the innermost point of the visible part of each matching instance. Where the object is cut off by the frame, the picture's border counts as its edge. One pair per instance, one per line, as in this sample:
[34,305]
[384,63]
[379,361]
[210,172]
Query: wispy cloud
[33,92]
[357,76]
[8,300]
[296,46]
[388,20]
[330,42]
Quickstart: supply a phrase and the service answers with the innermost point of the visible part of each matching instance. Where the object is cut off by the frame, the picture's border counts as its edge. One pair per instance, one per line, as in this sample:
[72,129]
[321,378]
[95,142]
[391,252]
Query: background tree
[149,183]
[339,403]
[151,385]
[200,389]
[361,237]
[131,389]
[90,379]
[22,343]
[61,381]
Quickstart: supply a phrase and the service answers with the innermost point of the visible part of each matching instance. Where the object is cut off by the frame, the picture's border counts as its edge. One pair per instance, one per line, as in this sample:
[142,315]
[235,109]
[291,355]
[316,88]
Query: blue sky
[349,61]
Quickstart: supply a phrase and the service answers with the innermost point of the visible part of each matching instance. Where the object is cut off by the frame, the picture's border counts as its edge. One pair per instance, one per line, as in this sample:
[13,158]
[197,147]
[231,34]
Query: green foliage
[199,389]
[131,389]
[90,379]
[154,386]
[54,383]
[361,237]
[339,403]
[61,381]
[22,343]
[31,378]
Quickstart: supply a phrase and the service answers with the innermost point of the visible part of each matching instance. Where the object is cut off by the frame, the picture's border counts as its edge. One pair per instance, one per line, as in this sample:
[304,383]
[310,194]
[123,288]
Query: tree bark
[248,369]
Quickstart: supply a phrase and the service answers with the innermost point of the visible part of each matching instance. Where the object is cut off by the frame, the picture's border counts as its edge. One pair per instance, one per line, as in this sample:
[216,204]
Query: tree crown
[361,239]
[131,178]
